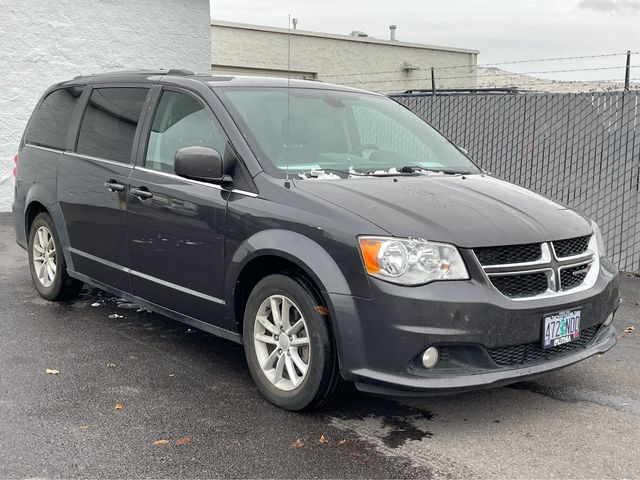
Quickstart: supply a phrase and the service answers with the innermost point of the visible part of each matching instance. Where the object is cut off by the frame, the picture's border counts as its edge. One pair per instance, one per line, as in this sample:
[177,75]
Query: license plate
[560,328]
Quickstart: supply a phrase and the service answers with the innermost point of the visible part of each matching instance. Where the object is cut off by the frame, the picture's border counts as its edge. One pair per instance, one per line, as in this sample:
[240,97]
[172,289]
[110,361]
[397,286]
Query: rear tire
[46,262]
[291,356]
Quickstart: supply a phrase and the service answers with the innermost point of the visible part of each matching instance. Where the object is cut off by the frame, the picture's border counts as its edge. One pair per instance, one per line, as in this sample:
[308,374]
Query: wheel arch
[280,251]
[34,208]
[39,200]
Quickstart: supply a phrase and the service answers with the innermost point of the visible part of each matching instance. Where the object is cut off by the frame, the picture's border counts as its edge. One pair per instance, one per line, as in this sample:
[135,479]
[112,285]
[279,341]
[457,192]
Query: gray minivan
[330,230]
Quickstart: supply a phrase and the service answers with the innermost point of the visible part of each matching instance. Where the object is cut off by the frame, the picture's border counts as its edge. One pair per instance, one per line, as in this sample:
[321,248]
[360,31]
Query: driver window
[180,121]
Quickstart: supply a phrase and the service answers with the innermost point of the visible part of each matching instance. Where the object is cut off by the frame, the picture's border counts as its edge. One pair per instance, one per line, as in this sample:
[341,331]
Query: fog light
[430,357]
[608,321]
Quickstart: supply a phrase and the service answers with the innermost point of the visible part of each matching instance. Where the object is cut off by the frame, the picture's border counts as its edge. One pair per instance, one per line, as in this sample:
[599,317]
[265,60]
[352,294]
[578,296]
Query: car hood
[468,211]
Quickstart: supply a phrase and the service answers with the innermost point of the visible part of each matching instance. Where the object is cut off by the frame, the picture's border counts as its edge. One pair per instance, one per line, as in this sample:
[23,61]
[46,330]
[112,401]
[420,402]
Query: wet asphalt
[128,380]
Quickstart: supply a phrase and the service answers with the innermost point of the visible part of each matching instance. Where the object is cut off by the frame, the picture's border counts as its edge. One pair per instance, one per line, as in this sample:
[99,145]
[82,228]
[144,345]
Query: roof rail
[179,71]
[140,71]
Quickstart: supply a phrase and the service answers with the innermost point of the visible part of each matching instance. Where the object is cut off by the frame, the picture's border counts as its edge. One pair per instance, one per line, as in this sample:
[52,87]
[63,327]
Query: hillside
[492,77]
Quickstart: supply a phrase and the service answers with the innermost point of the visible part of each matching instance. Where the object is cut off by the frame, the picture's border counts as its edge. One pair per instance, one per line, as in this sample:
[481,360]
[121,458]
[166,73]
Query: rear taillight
[16,160]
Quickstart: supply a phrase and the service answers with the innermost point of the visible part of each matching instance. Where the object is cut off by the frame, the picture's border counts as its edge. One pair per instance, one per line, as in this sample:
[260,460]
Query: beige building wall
[363,62]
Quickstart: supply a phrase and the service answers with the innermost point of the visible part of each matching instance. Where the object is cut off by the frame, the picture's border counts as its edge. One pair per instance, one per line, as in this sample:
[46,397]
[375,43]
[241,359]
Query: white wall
[47,41]
[367,63]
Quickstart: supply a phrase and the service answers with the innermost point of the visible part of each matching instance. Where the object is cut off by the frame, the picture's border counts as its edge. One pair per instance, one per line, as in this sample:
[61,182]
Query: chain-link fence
[582,150]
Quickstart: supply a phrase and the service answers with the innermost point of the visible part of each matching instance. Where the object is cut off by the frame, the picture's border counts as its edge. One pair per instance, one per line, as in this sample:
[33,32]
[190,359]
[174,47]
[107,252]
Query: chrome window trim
[196,182]
[98,159]
[46,149]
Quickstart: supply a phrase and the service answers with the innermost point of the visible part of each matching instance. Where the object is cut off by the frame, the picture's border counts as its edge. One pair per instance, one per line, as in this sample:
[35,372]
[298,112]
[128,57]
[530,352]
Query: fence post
[433,81]
[627,72]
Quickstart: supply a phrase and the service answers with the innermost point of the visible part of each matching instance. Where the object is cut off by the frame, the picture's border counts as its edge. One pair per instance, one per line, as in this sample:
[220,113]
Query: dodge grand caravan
[331,231]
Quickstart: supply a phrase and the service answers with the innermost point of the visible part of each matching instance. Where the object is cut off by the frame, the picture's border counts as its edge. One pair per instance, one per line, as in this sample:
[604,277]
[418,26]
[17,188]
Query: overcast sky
[503,30]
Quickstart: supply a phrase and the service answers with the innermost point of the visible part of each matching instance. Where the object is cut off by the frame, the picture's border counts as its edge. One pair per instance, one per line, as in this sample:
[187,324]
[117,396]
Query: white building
[383,65]
[46,41]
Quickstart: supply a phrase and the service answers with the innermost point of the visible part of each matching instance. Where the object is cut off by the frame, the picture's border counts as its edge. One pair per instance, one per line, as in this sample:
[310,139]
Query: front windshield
[310,130]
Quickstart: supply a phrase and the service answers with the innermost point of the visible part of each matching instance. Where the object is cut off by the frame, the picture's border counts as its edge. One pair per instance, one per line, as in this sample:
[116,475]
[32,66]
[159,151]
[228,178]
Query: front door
[175,225]
[92,184]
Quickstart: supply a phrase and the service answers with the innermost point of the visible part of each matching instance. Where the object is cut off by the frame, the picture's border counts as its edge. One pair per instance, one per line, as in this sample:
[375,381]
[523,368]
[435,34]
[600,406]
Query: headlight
[602,251]
[408,261]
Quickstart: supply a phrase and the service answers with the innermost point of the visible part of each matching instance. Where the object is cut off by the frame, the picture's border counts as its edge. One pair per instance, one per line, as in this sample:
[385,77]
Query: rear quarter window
[110,121]
[51,121]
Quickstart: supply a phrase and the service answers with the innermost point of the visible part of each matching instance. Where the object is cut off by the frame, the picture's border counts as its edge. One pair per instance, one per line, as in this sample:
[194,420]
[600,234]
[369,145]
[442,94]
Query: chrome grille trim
[552,266]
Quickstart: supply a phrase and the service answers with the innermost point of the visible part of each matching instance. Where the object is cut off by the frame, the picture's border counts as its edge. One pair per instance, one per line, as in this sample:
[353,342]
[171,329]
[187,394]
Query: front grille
[533,352]
[571,247]
[528,252]
[521,284]
[573,276]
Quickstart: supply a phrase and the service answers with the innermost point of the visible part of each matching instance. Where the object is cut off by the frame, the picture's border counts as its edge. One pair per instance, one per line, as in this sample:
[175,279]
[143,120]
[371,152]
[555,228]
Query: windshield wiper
[446,171]
[327,173]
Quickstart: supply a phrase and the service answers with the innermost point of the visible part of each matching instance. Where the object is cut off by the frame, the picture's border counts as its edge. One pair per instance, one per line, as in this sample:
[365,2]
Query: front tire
[288,344]
[46,261]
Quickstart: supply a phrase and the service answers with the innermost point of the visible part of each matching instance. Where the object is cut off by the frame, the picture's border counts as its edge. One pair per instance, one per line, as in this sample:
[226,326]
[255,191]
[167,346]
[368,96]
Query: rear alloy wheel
[288,344]
[46,262]
[44,256]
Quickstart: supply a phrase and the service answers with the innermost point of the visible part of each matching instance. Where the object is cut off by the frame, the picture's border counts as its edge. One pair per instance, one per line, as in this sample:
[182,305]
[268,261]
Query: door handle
[142,193]
[114,186]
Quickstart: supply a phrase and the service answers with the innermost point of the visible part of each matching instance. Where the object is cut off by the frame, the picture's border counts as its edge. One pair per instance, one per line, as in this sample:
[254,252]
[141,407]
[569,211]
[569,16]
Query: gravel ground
[193,391]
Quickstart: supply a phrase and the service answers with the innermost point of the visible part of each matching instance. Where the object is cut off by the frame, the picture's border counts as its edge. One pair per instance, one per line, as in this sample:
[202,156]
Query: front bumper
[380,340]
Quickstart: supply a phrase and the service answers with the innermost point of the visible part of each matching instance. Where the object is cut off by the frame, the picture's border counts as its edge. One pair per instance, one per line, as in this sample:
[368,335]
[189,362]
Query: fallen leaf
[186,440]
[160,443]
[297,443]
[119,406]
[96,304]
[321,310]
[83,427]
[629,329]
[115,315]
[52,371]
[323,439]
[342,442]
[111,365]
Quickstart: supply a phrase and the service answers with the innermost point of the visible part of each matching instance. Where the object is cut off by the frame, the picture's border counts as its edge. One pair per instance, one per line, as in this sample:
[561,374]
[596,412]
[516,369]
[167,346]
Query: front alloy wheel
[281,342]
[288,344]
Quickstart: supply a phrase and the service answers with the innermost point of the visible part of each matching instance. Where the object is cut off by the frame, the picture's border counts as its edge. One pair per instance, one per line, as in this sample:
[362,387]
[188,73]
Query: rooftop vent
[392,32]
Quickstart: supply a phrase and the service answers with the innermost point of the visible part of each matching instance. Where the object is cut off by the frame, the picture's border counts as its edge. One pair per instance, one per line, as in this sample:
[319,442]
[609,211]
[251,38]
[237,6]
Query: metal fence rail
[582,150]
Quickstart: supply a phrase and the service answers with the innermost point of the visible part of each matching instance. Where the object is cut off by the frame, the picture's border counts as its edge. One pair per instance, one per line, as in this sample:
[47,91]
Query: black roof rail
[140,71]
[179,71]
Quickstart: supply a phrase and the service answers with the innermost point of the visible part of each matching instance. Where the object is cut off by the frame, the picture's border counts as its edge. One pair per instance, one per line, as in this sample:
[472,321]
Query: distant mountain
[492,77]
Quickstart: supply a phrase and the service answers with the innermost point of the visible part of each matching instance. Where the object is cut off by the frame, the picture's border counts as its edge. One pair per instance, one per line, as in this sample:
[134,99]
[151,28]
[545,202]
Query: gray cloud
[611,6]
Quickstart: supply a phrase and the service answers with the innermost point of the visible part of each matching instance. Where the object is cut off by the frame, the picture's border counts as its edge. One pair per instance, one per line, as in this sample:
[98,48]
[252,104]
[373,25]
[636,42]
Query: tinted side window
[50,123]
[110,123]
[180,121]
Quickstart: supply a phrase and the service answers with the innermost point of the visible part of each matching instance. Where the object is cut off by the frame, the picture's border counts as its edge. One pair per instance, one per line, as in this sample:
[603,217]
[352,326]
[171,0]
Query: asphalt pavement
[140,395]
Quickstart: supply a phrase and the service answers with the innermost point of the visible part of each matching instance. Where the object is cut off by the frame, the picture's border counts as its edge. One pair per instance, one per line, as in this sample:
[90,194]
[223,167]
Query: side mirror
[201,163]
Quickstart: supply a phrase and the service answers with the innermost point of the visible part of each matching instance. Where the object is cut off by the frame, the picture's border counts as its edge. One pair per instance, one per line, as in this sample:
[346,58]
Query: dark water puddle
[401,420]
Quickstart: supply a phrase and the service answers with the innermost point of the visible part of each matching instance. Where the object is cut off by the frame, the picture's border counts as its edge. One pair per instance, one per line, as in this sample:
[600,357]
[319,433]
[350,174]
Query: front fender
[292,246]
[316,262]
